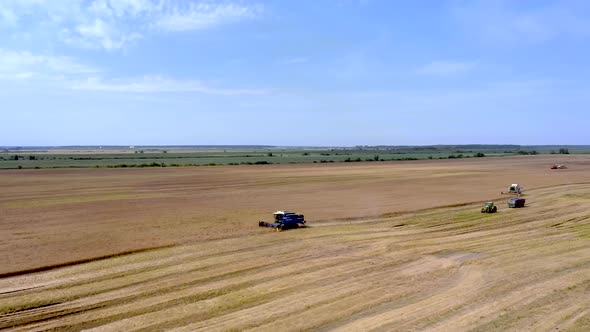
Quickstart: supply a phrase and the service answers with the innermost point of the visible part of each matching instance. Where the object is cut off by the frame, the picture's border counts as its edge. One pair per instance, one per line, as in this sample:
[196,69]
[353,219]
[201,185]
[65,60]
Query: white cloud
[508,22]
[7,17]
[122,8]
[203,15]
[115,24]
[98,34]
[157,84]
[38,11]
[24,65]
[66,73]
[446,68]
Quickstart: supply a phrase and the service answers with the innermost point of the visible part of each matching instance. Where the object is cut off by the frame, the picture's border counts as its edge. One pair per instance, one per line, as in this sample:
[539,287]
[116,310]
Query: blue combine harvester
[284,220]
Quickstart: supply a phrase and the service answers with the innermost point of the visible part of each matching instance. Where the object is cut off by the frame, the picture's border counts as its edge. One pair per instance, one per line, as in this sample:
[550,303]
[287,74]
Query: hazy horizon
[180,146]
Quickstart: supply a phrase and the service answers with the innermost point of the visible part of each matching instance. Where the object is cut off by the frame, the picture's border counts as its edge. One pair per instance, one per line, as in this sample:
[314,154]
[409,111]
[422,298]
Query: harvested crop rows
[425,268]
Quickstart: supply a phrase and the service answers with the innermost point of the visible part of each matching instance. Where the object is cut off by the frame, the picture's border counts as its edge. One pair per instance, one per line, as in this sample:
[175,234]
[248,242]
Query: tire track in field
[447,269]
[317,290]
[183,277]
[187,263]
[138,289]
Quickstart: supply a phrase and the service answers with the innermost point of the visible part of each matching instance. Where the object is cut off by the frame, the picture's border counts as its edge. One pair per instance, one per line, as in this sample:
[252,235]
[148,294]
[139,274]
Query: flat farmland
[391,246]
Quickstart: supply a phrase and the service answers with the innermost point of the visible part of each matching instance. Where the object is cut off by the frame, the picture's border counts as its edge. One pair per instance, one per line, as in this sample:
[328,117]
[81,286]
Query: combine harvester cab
[284,220]
[515,189]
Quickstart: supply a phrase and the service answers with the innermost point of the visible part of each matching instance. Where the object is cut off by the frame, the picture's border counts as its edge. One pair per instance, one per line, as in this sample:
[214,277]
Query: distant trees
[526,153]
[348,160]
[479,155]
[564,151]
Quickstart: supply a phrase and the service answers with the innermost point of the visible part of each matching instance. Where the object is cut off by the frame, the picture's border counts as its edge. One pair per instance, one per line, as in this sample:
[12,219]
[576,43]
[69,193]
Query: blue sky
[324,72]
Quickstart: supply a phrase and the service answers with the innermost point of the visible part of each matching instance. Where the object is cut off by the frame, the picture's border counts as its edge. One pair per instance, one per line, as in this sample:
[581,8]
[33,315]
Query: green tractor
[489,207]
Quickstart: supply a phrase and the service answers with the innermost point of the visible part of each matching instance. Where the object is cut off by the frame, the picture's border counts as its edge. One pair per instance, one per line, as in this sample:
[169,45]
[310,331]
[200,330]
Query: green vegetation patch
[132,157]
[578,196]
[471,216]
[583,230]
[10,308]
[582,324]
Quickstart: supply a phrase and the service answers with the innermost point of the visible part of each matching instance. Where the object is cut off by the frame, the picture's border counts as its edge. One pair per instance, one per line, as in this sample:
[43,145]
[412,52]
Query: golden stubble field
[391,246]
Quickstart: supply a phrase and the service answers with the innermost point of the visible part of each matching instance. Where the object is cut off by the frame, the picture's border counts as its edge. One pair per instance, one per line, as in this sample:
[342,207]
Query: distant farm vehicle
[560,166]
[284,220]
[489,207]
[516,202]
[515,189]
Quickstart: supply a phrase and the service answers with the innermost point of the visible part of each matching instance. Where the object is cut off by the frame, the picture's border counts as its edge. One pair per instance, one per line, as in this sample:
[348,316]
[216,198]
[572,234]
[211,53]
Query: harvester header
[284,220]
